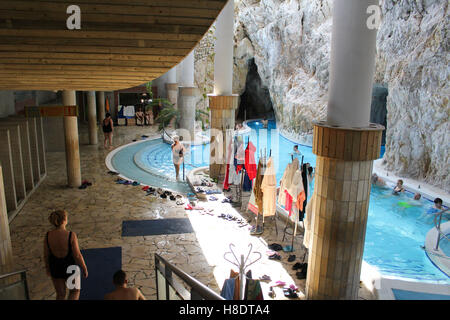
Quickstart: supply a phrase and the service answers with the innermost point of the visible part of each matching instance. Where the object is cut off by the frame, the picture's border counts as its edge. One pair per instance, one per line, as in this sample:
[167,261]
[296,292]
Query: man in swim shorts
[122,292]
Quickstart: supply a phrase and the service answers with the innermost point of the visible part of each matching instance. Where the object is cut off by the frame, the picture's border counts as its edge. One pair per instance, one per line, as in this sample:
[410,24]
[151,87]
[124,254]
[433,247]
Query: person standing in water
[178,151]
[108,126]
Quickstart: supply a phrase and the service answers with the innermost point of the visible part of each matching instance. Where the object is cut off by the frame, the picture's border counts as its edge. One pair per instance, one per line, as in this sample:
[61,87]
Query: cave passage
[255,101]
[378,112]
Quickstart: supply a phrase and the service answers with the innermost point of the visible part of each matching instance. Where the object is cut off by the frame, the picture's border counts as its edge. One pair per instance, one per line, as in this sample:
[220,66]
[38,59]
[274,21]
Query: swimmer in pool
[436,210]
[398,188]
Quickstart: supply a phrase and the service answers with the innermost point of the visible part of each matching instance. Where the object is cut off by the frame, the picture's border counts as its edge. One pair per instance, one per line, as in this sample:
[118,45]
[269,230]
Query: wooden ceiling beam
[78,58]
[135,43]
[110,8]
[211,4]
[24,19]
[111,35]
[167,52]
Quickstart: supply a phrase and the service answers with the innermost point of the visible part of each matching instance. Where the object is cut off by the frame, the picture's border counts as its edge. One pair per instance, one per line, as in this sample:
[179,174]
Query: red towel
[250,164]
[288,205]
[226,185]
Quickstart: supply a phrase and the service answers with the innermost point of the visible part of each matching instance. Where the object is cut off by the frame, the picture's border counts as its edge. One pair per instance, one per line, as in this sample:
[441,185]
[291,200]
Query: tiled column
[222,118]
[26,151]
[17,159]
[6,255]
[92,117]
[100,106]
[340,205]
[8,171]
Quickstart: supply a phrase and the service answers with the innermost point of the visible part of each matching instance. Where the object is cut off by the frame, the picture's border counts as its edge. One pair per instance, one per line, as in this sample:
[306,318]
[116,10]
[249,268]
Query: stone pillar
[100,106]
[222,118]
[186,98]
[345,145]
[92,117]
[186,105]
[71,143]
[340,204]
[172,93]
[223,102]
[223,51]
[6,255]
[352,65]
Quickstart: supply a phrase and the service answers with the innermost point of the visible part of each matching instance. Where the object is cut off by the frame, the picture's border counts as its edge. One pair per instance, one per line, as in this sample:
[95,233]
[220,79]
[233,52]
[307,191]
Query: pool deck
[96,215]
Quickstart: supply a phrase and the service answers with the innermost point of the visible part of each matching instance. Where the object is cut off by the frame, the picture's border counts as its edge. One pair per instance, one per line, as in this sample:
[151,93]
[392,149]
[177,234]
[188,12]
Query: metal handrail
[197,288]
[23,279]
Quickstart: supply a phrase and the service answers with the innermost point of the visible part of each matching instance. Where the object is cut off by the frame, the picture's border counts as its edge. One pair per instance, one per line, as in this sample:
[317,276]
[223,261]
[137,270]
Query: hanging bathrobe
[257,188]
[281,193]
[269,189]
[255,203]
[288,180]
[247,185]
[250,163]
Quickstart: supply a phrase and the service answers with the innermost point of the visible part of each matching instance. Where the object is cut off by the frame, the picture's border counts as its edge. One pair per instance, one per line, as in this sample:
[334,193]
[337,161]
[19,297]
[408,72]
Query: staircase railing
[169,288]
[11,289]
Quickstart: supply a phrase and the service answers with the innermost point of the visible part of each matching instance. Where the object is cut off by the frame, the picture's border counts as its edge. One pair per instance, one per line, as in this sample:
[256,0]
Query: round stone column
[222,119]
[352,64]
[340,204]
[71,142]
[6,256]
[100,106]
[92,117]
[172,93]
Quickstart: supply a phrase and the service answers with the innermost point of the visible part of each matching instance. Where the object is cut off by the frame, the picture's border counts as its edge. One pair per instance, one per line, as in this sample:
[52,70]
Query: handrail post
[438,227]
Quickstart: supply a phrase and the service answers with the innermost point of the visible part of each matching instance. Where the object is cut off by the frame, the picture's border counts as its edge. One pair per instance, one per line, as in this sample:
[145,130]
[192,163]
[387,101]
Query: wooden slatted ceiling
[121,44]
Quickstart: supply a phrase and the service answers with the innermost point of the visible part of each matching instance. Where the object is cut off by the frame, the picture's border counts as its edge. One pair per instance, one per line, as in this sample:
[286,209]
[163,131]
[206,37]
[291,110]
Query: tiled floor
[96,215]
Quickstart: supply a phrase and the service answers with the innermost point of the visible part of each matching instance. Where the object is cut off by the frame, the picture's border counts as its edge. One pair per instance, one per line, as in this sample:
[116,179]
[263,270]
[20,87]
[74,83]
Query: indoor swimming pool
[396,226]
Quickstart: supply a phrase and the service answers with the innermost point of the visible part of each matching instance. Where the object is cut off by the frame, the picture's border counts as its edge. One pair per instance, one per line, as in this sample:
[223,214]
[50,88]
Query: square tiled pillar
[339,207]
[222,119]
[8,171]
[26,151]
[17,160]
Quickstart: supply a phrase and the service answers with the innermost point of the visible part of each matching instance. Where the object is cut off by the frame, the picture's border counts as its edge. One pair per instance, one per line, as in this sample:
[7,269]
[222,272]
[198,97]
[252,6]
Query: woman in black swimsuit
[108,130]
[61,251]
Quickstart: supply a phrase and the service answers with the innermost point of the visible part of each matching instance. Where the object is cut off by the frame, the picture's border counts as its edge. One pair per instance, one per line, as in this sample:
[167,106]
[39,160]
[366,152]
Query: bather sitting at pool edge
[376,180]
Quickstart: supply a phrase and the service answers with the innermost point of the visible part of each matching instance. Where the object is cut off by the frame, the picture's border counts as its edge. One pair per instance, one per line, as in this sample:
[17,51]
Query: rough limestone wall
[290,41]
[412,58]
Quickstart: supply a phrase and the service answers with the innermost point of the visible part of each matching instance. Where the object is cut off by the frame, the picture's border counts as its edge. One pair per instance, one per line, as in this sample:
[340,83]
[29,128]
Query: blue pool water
[396,229]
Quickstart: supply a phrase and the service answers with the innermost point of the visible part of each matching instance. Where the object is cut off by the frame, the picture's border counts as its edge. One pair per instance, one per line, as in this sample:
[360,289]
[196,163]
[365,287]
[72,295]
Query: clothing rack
[296,218]
[242,265]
